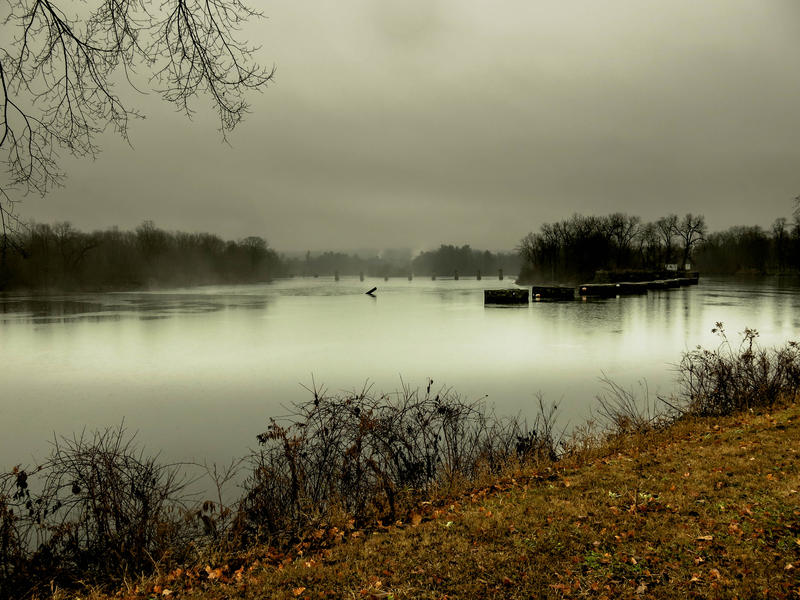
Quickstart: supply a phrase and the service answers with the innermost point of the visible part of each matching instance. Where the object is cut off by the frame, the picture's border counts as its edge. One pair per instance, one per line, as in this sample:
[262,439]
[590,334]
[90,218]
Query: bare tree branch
[58,73]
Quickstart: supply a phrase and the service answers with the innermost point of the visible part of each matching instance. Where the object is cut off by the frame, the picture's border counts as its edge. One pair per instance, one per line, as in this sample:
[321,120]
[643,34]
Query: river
[198,372]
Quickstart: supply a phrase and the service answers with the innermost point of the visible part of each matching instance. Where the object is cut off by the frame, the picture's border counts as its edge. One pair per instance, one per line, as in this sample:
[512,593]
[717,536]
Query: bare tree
[648,245]
[59,71]
[780,240]
[796,212]
[691,230]
[622,229]
[666,227]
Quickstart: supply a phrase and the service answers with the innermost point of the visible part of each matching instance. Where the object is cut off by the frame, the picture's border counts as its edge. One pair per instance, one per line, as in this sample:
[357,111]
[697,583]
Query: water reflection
[113,307]
[199,371]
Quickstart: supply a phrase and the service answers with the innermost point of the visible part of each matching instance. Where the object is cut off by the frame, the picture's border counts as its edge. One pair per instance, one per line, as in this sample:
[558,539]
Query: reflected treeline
[146,307]
[61,257]
[579,247]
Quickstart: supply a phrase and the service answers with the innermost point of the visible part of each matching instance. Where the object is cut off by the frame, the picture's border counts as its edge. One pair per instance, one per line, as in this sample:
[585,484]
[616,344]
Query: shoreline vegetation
[584,249]
[422,493]
[42,257]
[577,250]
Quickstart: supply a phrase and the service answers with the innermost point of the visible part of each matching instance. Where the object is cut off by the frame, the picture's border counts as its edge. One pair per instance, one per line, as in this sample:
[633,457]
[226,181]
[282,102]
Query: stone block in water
[513,296]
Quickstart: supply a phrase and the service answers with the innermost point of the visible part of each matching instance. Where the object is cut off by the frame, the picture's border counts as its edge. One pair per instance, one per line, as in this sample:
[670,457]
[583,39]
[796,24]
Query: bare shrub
[730,379]
[623,411]
[216,515]
[97,509]
[362,454]
[13,492]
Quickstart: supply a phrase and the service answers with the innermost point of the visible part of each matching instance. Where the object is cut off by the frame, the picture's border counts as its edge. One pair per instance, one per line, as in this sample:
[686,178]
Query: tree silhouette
[59,71]
[691,230]
[666,228]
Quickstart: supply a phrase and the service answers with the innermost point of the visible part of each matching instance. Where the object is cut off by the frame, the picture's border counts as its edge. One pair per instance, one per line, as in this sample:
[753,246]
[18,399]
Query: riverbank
[636,500]
[707,507]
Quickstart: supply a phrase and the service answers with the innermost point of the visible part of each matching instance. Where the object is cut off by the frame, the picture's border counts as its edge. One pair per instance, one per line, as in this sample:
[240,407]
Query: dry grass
[703,508]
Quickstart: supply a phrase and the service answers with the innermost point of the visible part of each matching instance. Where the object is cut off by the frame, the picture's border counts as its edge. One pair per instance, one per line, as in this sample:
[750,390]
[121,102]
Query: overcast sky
[422,122]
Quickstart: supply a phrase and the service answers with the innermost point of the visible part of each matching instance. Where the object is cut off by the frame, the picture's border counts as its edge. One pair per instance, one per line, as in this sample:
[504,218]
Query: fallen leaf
[705,538]
[299,590]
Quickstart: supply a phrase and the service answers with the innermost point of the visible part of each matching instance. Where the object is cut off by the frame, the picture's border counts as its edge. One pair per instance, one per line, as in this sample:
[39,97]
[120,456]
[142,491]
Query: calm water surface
[199,371]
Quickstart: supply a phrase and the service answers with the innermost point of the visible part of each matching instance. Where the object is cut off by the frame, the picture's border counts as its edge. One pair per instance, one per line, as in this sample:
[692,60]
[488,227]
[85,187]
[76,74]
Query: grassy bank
[423,495]
[704,508]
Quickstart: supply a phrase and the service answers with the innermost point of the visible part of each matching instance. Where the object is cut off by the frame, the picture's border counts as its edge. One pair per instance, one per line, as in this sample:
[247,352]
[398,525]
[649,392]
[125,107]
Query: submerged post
[361,276]
[478,276]
[500,274]
[410,276]
[336,275]
[455,275]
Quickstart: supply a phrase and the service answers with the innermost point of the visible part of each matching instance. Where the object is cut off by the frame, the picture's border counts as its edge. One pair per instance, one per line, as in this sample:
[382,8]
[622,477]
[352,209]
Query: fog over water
[198,372]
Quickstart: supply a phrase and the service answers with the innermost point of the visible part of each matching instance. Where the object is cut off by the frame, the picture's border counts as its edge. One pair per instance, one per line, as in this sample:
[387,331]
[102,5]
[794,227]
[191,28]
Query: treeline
[59,256]
[389,263]
[752,250]
[450,259]
[579,247]
[444,261]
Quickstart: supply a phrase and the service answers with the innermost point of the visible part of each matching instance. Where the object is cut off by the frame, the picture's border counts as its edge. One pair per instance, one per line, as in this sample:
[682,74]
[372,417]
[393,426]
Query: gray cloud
[410,124]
